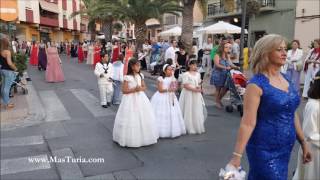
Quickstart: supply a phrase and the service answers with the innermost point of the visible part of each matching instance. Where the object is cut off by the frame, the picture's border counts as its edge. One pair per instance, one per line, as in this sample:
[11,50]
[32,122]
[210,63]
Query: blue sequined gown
[272,140]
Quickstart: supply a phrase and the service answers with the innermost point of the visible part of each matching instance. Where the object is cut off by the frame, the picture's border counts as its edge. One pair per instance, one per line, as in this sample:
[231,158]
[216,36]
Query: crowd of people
[270,123]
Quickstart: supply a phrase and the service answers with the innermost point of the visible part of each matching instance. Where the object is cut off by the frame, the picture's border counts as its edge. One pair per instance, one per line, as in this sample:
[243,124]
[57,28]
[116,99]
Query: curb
[36,112]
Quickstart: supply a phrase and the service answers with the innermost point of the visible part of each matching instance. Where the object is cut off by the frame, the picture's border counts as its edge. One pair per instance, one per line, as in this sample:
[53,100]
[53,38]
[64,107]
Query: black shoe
[108,104]
[104,106]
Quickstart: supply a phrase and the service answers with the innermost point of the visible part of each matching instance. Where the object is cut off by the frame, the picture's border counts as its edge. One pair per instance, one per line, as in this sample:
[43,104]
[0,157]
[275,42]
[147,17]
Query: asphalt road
[76,126]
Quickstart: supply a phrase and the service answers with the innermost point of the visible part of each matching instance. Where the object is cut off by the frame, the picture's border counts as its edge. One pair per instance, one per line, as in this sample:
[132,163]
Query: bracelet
[237,154]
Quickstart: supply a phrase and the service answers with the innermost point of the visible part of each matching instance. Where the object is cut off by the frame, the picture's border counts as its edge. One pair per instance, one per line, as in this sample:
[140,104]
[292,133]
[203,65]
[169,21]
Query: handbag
[299,66]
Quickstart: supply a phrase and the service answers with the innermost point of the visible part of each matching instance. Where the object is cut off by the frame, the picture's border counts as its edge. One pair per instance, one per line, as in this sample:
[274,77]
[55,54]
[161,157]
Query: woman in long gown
[80,53]
[311,129]
[42,57]
[34,54]
[68,49]
[129,54]
[97,50]
[54,71]
[134,125]
[167,109]
[270,124]
[90,54]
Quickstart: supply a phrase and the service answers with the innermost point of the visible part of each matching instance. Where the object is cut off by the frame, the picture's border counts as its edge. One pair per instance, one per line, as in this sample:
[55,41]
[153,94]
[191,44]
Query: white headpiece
[164,67]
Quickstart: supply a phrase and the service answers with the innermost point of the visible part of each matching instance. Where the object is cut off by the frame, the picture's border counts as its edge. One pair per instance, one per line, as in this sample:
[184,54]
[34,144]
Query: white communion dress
[311,129]
[192,104]
[167,111]
[134,124]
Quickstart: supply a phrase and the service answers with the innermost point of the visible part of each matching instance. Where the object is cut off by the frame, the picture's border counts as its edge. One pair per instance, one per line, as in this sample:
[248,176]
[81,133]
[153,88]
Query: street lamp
[243,24]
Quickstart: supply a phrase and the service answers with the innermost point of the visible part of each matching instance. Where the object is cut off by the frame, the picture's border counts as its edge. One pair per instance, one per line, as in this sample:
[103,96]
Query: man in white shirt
[171,51]
[206,60]
[235,51]
[146,47]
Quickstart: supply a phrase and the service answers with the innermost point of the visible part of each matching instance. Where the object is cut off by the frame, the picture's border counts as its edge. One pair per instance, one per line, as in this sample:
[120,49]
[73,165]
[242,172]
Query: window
[170,20]
[214,8]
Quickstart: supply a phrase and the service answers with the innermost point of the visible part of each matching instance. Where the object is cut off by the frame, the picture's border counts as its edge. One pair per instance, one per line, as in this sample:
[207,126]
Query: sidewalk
[28,110]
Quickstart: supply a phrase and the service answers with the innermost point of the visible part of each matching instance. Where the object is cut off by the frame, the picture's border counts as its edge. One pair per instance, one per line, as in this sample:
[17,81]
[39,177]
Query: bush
[20,60]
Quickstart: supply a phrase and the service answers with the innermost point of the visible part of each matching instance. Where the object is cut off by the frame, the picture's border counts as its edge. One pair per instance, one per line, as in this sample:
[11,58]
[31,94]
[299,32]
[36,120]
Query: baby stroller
[18,83]
[236,83]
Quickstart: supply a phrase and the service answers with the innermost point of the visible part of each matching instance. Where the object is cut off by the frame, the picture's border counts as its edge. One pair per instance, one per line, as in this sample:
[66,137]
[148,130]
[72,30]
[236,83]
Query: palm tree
[95,12]
[139,11]
[187,21]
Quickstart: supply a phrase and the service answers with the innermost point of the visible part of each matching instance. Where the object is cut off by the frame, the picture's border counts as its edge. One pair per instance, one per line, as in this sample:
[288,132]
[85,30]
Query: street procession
[160,89]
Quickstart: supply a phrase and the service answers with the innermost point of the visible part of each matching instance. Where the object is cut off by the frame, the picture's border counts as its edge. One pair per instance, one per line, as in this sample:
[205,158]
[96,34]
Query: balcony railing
[49,21]
[267,3]
[218,9]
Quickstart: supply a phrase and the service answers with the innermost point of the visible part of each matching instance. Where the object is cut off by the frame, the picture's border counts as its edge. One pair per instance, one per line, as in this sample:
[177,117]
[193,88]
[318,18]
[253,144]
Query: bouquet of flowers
[232,173]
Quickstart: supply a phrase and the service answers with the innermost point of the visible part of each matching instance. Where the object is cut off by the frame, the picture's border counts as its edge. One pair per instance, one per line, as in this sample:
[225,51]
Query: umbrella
[222,28]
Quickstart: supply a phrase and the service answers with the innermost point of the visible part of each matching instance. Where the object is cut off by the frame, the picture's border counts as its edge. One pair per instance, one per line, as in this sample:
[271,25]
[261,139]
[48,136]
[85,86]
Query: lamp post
[243,24]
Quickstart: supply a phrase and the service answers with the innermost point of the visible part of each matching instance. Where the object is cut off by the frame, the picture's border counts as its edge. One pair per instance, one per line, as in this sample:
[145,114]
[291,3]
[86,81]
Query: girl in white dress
[311,130]
[167,109]
[191,101]
[90,54]
[134,124]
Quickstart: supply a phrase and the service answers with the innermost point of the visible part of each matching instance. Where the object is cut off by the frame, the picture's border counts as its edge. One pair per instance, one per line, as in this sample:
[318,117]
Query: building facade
[49,20]
[307,22]
[275,17]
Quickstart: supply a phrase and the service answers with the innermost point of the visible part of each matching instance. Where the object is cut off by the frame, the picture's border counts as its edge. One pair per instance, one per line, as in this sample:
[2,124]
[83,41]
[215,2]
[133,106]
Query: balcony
[49,21]
[29,16]
[218,10]
[65,23]
[267,5]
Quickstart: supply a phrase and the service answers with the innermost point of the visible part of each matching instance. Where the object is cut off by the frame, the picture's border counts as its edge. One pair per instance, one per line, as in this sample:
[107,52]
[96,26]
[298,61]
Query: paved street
[75,125]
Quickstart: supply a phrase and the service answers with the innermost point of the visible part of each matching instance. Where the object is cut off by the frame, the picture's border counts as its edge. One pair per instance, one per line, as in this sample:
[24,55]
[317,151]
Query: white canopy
[103,37]
[222,28]
[176,31]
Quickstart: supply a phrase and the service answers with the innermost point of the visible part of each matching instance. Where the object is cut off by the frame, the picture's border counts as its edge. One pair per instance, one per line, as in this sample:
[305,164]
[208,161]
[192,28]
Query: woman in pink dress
[129,54]
[54,71]
[80,53]
[34,54]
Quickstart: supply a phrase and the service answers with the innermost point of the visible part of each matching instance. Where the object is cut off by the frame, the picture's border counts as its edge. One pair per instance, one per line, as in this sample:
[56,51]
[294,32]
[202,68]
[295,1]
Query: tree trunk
[93,33]
[140,33]
[107,30]
[187,24]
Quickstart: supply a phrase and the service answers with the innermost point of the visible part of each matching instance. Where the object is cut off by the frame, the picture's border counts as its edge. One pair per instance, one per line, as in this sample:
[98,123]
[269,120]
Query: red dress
[34,56]
[80,54]
[129,54]
[96,55]
[115,54]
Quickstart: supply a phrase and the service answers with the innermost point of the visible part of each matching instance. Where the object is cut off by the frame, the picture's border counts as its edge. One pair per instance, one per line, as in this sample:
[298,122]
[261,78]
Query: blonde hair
[260,54]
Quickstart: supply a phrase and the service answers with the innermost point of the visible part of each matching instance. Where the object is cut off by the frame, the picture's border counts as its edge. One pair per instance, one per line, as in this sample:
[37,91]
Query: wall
[30,4]
[307,25]
[280,21]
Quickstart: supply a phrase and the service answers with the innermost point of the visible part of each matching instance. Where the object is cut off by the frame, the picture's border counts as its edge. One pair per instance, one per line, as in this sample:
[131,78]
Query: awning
[8,10]
[52,7]
[152,22]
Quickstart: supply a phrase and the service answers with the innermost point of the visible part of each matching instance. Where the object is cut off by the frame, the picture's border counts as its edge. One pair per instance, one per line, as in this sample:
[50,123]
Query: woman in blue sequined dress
[270,124]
